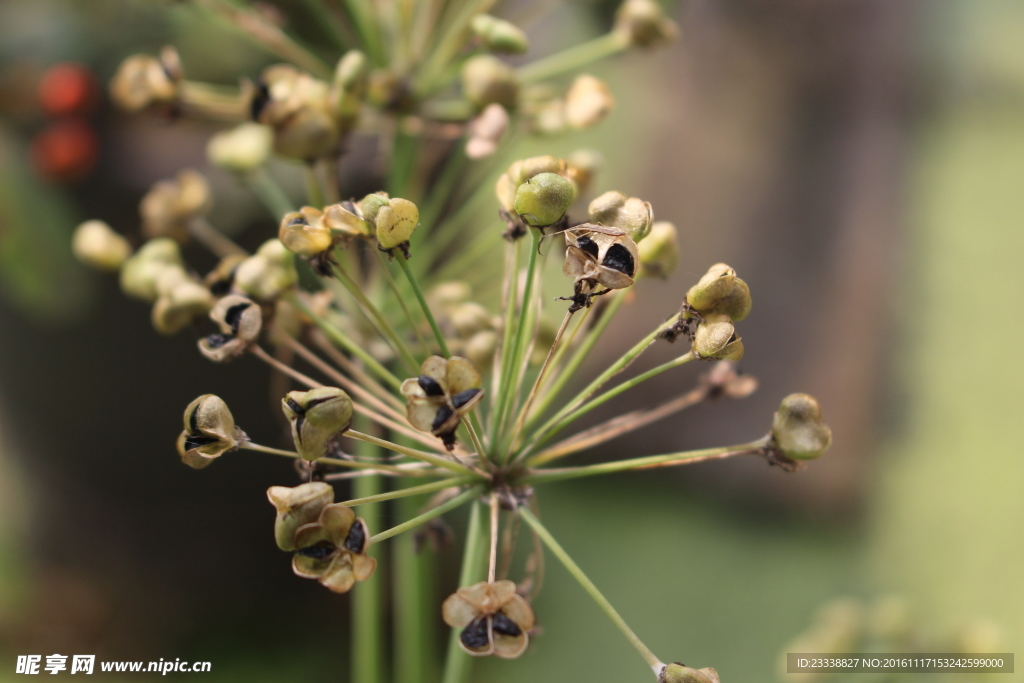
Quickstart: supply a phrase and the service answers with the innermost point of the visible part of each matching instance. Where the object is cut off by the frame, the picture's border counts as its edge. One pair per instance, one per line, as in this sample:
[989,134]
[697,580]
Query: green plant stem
[451,41]
[508,387]
[400,297]
[616,367]
[213,239]
[361,12]
[404,263]
[327,20]
[574,57]
[368,662]
[408,491]
[414,613]
[269,192]
[342,340]
[314,192]
[474,563]
[681,458]
[423,456]
[612,393]
[541,375]
[455,502]
[378,319]
[656,664]
[511,298]
[353,464]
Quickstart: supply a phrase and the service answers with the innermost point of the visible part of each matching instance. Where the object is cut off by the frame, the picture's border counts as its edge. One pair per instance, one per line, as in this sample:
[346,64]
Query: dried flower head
[494,619]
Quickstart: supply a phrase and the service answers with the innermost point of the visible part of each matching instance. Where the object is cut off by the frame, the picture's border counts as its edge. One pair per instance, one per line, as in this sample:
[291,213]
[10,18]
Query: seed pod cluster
[494,619]
[240,320]
[268,273]
[445,391]
[717,301]
[156,273]
[328,540]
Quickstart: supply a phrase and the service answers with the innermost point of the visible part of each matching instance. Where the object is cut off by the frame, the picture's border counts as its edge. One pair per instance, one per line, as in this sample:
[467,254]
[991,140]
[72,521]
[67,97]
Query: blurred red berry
[66,150]
[67,88]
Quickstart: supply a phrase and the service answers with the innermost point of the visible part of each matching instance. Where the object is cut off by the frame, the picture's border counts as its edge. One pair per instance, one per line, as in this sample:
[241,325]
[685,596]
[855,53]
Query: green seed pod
[543,199]
[303,233]
[631,214]
[499,35]
[720,291]
[798,430]
[170,204]
[176,308]
[371,204]
[521,171]
[210,432]
[659,252]
[318,417]
[486,80]
[297,506]
[396,222]
[140,272]
[587,102]
[242,149]
[143,80]
[268,272]
[643,23]
[716,339]
[96,244]
[680,673]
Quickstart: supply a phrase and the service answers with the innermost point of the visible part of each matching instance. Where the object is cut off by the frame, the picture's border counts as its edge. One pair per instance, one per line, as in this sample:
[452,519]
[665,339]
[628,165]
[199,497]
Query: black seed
[448,439]
[444,413]
[317,551]
[618,258]
[430,386]
[475,635]
[193,421]
[356,541]
[588,245]
[215,341]
[463,397]
[296,408]
[259,100]
[506,626]
[198,441]
[233,316]
[317,401]
[298,220]
[222,287]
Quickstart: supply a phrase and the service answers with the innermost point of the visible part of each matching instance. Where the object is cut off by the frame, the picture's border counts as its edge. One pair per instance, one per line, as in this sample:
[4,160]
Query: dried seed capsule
[643,23]
[631,214]
[345,222]
[140,273]
[210,432]
[268,273]
[318,417]
[333,549]
[543,199]
[798,430]
[144,80]
[297,506]
[303,232]
[499,35]
[587,102]
[299,110]
[486,80]
[494,619]
[445,391]
[180,304]
[242,149]
[96,244]
[221,279]
[598,256]
[240,321]
[170,204]
[659,252]
[680,673]
[720,291]
[716,339]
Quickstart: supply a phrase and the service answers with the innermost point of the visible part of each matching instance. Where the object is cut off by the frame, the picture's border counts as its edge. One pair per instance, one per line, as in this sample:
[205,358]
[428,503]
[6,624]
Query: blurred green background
[861,164]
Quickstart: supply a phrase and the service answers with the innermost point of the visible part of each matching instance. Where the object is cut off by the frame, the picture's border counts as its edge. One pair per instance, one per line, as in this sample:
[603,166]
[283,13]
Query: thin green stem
[681,458]
[455,502]
[422,456]
[362,16]
[353,464]
[400,297]
[510,296]
[404,263]
[540,380]
[327,20]
[368,662]
[574,57]
[269,192]
[414,615]
[213,239]
[475,438]
[612,393]
[656,664]
[474,559]
[408,491]
[378,319]
[342,340]
[314,191]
